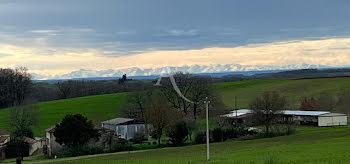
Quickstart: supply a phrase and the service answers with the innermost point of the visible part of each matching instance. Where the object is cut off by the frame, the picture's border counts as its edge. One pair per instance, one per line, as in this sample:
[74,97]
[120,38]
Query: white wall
[128,131]
[332,120]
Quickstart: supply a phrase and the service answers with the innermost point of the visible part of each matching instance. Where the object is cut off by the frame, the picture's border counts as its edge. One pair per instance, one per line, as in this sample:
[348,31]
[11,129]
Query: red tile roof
[3,139]
[51,129]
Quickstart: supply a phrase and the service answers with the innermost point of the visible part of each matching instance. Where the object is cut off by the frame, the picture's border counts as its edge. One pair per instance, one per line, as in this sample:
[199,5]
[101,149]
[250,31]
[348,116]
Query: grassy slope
[103,107]
[294,90]
[97,108]
[308,145]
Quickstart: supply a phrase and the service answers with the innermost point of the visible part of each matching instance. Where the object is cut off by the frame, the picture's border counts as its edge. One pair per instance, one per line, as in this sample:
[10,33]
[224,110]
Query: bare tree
[195,88]
[160,114]
[15,85]
[325,102]
[135,105]
[21,121]
[308,104]
[343,104]
[184,84]
[200,89]
[24,117]
[267,108]
[65,88]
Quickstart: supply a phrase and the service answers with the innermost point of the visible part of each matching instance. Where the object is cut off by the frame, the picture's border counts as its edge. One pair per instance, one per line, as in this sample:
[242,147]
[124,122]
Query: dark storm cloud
[126,27]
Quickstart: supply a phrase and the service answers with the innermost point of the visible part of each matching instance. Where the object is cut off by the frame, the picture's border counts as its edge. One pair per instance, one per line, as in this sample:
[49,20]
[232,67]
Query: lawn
[293,89]
[308,145]
[96,108]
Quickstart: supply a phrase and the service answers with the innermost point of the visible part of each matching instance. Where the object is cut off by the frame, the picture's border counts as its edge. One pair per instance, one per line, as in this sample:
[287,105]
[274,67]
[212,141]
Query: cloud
[4,55]
[51,61]
[179,33]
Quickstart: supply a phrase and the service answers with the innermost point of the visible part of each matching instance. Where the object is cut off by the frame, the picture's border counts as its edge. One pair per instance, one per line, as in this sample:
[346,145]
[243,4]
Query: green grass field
[96,108]
[309,145]
[294,90]
[104,107]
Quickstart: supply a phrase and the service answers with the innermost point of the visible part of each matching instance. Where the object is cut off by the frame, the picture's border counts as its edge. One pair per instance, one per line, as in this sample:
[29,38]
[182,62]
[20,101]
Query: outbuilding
[332,119]
[126,128]
[316,118]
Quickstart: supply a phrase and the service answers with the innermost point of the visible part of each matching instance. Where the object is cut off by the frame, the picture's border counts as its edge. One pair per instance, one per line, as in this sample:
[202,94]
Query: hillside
[102,107]
[293,89]
[97,108]
[308,145]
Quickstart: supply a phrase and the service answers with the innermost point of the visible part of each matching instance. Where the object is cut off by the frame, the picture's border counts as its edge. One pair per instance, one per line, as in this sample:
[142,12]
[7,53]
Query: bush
[178,134]
[218,135]
[279,130]
[139,137]
[11,150]
[222,134]
[200,137]
[24,132]
[121,145]
[83,150]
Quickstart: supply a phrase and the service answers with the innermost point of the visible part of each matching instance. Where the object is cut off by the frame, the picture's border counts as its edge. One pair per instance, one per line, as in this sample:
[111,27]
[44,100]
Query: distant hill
[306,73]
[257,74]
[293,89]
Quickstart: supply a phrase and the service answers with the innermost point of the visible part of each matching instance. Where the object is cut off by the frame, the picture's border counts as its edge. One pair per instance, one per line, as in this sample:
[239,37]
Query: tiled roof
[51,129]
[3,139]
[4,132]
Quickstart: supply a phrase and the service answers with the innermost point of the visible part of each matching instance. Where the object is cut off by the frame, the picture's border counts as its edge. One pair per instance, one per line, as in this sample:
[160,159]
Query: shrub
[218,135]
[24,132]
[139,137]
[83,150]
[200,137]
[279,130]
[11,150]
[222,134]
[178,134]
[121,146]
[75,130]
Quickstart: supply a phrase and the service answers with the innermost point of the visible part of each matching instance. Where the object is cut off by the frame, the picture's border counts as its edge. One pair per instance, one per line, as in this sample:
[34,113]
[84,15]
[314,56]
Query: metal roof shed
[332,119]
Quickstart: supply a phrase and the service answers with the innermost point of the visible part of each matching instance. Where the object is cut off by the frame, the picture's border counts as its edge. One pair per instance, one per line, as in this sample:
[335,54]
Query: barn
[316,118]
[126,128]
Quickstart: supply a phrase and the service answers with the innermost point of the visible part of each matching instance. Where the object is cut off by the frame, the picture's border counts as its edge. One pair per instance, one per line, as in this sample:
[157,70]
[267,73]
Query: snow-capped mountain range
[134,71]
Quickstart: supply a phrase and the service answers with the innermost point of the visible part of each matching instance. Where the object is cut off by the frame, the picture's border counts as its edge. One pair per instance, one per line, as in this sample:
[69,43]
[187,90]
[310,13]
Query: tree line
[328,102]
[15,85]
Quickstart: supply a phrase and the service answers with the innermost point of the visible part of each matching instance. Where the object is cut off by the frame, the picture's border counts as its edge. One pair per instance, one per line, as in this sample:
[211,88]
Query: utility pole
[236,110]
[207,120]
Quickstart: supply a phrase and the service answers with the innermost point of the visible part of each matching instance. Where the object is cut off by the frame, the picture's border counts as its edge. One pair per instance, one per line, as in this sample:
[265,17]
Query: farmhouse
[4,139]
[106,139]
[34,145]
[126,127]
[317,118]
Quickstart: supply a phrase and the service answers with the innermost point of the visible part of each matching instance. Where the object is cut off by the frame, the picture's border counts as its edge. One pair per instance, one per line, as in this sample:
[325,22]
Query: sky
[58,37]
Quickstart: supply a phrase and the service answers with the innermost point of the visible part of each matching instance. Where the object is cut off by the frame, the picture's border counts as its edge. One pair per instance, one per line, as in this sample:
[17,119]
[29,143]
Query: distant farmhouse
[126,127]
[106,139]
[4,139]
[316,118]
